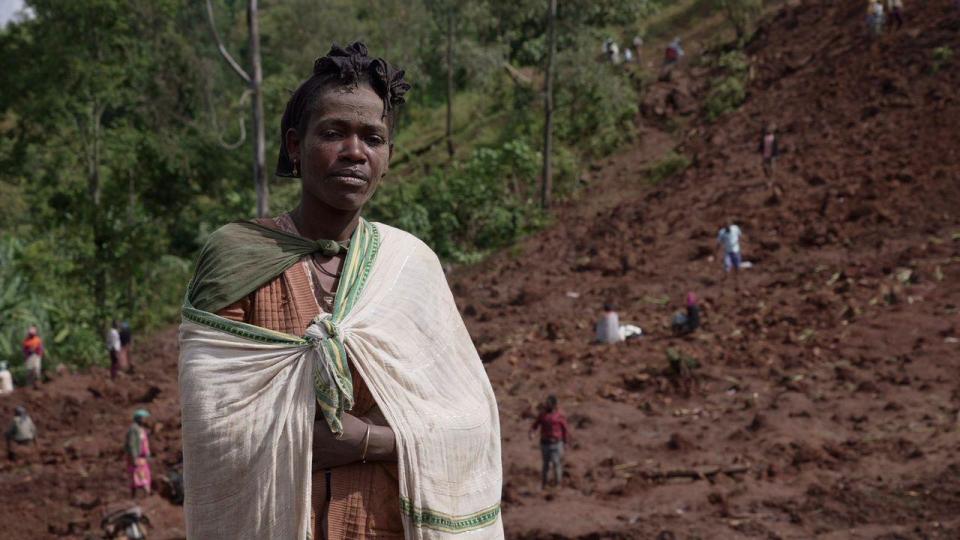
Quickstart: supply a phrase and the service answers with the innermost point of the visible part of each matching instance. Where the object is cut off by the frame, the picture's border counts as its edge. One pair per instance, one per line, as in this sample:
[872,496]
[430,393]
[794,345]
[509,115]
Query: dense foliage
[122,138]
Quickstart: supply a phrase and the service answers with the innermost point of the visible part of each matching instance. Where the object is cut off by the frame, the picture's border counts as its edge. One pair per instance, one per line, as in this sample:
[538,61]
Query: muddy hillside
[821,398]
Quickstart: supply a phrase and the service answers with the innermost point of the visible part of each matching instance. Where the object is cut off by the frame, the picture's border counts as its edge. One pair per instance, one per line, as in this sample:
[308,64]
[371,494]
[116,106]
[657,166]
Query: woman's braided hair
[342,66]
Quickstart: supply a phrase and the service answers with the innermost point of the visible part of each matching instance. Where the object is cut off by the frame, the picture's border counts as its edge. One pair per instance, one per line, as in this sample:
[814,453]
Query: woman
[137,448]
[405,438]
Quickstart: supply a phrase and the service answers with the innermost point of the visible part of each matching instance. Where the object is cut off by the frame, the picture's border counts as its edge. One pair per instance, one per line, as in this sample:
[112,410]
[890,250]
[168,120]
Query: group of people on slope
[616,55]
[21,435]
[886,11]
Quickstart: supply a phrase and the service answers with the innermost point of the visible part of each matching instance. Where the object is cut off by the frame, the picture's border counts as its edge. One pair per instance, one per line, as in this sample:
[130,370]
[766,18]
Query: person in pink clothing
[554,435]
[138,451]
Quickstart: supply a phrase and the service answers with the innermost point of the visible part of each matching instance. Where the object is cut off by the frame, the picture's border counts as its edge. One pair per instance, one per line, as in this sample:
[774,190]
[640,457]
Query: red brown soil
[831,377]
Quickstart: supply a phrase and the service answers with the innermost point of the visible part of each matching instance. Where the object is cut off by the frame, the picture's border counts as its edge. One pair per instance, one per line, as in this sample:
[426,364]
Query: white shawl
[249,406]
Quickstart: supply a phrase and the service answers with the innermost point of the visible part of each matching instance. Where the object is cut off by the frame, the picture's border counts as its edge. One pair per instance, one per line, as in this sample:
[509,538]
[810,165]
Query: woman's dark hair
[342,66]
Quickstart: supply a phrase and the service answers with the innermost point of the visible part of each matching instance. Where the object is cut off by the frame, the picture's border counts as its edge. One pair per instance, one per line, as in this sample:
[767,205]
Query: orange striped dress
[362,500]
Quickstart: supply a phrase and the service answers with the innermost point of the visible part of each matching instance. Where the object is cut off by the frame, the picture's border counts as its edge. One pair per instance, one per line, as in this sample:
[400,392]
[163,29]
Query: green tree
[741,15]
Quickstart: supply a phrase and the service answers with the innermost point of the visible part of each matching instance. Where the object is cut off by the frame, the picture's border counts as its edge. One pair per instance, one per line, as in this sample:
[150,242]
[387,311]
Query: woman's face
[345,150]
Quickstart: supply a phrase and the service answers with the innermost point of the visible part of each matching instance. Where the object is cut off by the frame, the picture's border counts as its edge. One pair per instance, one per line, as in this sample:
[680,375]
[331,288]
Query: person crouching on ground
[137,447]
[554,435]
[22,432]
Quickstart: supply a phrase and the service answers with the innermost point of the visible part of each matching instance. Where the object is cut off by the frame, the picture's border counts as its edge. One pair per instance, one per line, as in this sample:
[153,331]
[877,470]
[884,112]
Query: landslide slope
[831,375]
[829,379]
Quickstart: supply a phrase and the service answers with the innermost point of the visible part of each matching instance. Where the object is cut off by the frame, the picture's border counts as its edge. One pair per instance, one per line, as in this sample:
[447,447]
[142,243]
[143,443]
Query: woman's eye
[375,140]
[330,134]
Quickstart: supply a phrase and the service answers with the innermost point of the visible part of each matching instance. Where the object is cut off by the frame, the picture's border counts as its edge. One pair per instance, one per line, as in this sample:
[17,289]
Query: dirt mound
[826,401]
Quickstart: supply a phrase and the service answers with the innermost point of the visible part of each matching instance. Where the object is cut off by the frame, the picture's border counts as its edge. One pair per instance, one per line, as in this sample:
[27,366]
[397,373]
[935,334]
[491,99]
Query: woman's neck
[318,221]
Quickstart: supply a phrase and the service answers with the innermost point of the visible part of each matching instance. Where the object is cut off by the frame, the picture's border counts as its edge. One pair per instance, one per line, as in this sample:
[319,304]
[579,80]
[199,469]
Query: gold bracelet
[366,445]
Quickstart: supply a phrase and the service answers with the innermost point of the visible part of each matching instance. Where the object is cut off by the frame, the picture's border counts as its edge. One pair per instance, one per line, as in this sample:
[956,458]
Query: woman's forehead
[350,104]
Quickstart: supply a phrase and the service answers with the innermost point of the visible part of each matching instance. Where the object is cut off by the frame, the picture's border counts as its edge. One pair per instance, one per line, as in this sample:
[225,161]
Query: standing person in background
[875,17]
[33,357]
[674,52]
[21,432]
[137,448]
[769,149]
[126,339]
[6,380]
[114,348]
[895,10]
[693,312]
[554,435]
[728,238]
[638,46]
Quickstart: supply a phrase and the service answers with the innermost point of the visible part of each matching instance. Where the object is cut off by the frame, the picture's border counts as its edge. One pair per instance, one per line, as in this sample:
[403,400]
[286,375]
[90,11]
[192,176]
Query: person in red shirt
[554,434]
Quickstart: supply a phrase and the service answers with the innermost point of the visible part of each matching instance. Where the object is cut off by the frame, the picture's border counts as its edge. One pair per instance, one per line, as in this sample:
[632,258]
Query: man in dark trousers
[554,434]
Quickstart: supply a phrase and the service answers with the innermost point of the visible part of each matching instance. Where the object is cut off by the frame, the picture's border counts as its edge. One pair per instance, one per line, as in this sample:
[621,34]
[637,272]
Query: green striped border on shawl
[239,329]
[424,517]
[333,401]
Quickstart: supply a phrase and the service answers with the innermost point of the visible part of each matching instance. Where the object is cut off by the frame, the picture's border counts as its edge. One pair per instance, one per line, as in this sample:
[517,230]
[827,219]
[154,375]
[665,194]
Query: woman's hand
[330,451]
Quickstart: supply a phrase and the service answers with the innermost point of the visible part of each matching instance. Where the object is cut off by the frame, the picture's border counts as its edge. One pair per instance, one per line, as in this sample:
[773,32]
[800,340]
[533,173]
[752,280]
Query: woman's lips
[348,179]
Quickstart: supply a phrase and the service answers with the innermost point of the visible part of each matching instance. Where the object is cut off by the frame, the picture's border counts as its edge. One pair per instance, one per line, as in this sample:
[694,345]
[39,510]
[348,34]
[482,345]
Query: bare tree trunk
[547,185]
[95,187]
[450,81]
[259,140]
[131,220]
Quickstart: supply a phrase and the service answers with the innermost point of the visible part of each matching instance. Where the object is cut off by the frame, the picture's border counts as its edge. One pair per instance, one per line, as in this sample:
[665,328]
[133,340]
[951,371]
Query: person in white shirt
[728,238]
[6,380]
[608,327]
[113,347]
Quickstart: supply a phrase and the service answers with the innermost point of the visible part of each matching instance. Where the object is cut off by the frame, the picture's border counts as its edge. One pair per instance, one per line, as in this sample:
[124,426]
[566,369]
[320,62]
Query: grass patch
[670,165]
[942,57]
[728,90]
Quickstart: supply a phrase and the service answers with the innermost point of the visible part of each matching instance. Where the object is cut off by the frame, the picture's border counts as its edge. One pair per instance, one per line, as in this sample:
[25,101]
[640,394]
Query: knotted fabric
[241,256]
[249,395]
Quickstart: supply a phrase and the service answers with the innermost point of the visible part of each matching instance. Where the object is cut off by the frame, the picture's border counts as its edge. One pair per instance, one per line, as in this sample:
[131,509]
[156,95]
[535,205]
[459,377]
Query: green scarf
[241,256]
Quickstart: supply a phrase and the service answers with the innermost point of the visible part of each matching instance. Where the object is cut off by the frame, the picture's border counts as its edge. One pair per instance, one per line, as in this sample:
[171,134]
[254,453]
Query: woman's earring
[296,168]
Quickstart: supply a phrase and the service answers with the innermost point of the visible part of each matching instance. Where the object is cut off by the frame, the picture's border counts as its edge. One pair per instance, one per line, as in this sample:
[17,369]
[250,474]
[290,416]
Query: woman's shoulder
[392,238]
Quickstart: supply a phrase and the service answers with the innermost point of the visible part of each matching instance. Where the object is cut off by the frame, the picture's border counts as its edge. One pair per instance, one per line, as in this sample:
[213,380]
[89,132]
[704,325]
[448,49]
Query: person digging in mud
[681,371]
[769,150]
[685,323]
[728,239]
[353,371]
[609,329]
[22,432]
[554,435]
[127,523]
[137,449]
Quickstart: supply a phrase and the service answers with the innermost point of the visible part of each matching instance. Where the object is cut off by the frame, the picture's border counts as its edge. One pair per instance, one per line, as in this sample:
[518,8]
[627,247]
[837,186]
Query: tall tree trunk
[547,185]
[95,187]
[131,220]
[450,81]
[259,139]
